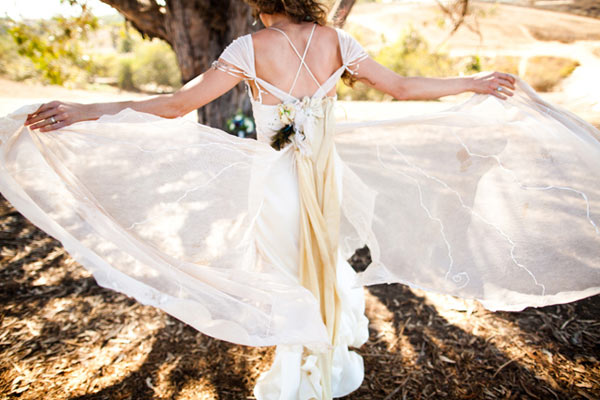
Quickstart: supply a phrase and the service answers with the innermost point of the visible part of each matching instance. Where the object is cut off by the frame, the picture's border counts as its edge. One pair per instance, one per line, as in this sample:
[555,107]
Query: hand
[57,114]
[495,83]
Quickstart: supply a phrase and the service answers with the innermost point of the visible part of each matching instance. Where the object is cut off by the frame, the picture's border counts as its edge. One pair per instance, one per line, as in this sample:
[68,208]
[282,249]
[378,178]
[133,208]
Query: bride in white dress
[247,241]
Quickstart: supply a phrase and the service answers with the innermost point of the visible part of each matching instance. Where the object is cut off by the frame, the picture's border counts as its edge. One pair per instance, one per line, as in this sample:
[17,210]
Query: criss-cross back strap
[301,57]
[240,58]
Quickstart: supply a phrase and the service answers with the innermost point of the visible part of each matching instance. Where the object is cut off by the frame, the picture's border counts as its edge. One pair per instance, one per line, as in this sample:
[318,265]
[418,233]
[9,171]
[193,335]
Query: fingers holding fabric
[48,120]
[42,108]
[504,87]
[39,118]
[498,84]
[53,115]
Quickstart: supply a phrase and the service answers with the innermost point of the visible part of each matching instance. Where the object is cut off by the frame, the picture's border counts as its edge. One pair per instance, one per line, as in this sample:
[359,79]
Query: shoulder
[239,54]
[351,49]
[238,46]
[329,35]
[240,41]
[344,36]
[328,32]
[265,38]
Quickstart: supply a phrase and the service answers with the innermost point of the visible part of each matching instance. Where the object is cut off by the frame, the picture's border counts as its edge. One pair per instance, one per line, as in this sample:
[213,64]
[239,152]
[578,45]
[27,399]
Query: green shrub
[408,56]
[126,41]
[105,65]
[155,64]
[543,73]
[411,56]
[53,47]
[58,51]
[508,64]
[125,75]
[8,51]
[473,65]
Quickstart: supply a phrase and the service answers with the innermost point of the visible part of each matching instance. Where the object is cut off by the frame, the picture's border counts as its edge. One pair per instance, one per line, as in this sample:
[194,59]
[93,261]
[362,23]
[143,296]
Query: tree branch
[340,11]
[145,15]
[457,12]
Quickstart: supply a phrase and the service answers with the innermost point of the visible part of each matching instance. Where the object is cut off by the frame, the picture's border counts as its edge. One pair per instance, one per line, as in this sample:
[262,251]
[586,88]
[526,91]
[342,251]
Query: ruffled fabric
[294,373]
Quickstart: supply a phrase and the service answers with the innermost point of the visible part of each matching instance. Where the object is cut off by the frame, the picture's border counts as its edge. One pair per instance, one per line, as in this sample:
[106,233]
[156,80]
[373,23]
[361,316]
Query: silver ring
[53,120]
[499,88]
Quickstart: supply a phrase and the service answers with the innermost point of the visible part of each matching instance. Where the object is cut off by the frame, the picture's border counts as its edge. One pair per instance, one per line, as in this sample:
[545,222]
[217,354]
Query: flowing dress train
[494,200]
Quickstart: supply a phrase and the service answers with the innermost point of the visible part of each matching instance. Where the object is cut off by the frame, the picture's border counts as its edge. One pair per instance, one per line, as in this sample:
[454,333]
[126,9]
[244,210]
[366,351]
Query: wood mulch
[64,337]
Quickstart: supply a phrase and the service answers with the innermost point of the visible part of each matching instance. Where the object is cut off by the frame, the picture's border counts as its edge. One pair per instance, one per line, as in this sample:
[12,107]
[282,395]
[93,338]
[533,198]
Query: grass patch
[508,64]
[408,56]
[543,73]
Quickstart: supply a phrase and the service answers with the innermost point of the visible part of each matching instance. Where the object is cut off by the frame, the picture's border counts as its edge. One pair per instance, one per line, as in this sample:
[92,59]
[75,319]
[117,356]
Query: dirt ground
[64,337]
[586,8]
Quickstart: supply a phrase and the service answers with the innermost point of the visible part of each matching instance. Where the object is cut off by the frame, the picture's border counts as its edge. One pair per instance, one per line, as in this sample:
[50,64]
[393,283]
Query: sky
[19,9]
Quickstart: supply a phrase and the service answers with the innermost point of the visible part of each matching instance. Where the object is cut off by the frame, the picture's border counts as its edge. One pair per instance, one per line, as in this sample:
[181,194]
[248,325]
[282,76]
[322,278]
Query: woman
[247,240]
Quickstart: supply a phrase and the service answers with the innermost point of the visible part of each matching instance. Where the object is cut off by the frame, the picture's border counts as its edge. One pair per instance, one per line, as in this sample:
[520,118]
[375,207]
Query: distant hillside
[587,8]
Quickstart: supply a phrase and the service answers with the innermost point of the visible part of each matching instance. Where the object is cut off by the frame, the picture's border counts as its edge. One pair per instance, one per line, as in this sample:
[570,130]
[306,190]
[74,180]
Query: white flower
[312,107]
[287,113]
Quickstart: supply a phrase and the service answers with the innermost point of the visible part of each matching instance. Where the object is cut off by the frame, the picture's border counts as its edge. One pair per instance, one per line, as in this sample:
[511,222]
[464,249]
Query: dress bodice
[266,118]
[240,55]
[268,122]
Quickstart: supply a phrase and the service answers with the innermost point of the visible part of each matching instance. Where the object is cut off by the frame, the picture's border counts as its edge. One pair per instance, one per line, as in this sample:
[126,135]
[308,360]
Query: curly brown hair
[299,11]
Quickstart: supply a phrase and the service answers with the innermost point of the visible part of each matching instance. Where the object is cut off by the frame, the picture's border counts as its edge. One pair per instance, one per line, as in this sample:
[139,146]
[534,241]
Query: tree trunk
[339,12]
[199,31]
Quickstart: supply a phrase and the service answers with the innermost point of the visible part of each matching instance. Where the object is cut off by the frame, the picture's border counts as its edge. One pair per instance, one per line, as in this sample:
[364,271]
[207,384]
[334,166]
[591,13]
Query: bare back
[277,63]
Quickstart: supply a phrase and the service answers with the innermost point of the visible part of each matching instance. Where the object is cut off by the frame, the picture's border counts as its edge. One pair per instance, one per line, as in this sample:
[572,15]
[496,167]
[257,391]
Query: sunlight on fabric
[220,233]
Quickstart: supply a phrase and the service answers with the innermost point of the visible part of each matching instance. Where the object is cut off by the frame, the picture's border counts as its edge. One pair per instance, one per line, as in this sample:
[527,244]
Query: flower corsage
[287,113]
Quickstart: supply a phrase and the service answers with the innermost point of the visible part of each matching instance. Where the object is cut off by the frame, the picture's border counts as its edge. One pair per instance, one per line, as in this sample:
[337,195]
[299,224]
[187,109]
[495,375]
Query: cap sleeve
[352,51]
[239,56]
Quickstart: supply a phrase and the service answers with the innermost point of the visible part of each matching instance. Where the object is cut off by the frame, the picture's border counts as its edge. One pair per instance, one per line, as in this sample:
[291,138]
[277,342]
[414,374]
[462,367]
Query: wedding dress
[494,200]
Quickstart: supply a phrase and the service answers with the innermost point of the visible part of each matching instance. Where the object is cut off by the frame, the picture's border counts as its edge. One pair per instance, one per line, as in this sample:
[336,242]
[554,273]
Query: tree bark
[198,31]
[340,11]
[145,15]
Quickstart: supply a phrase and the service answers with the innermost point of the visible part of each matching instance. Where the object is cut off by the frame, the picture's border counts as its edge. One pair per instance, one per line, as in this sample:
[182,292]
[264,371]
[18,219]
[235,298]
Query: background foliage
[86,51]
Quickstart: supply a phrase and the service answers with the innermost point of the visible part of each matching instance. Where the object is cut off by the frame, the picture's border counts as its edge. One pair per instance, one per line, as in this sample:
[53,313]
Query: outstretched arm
[199,91]
[422,88]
